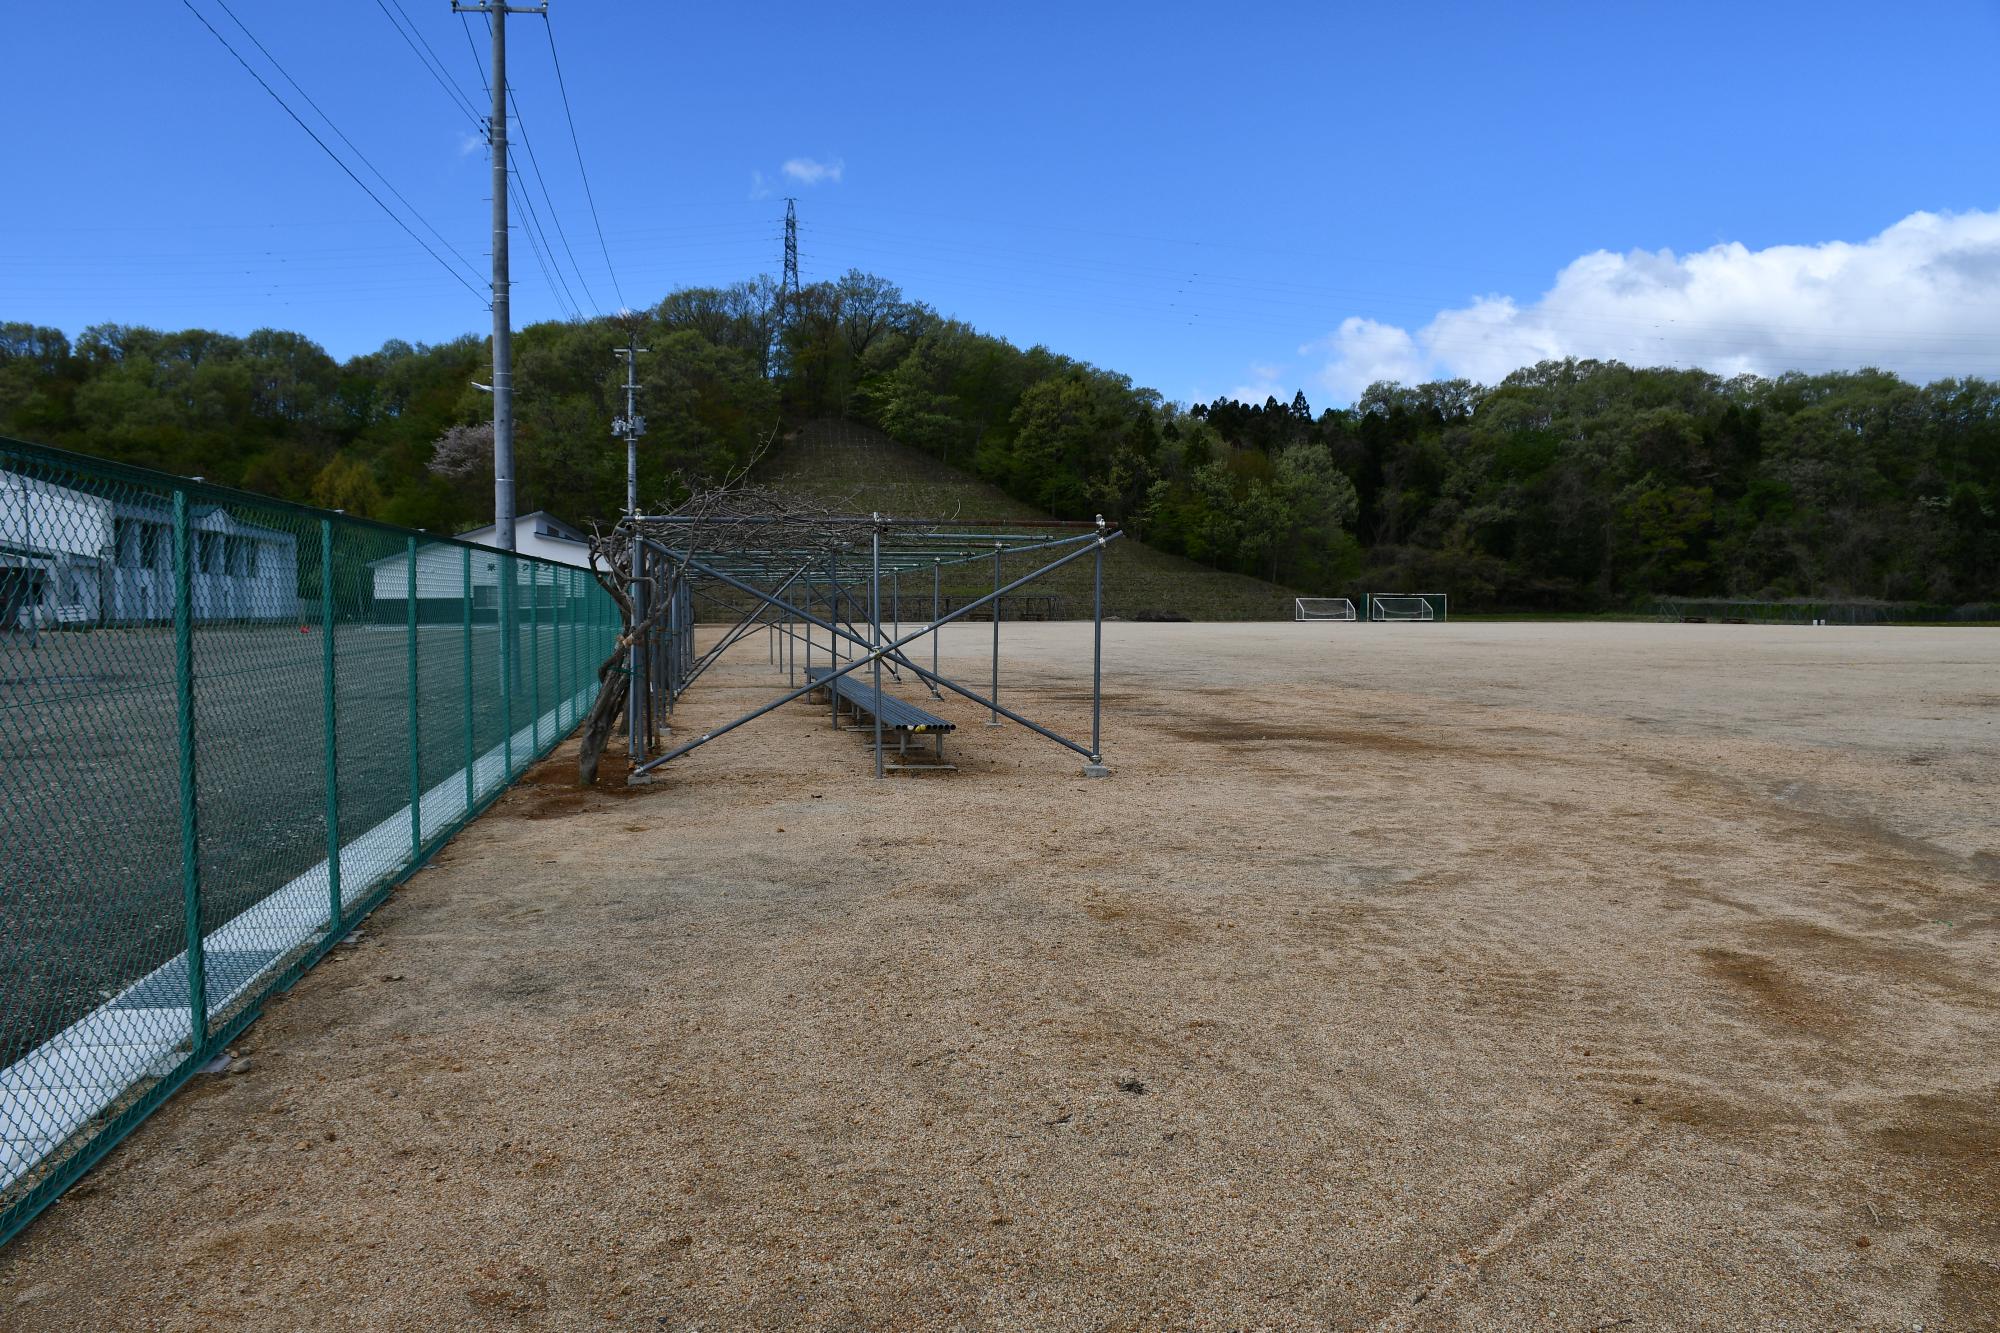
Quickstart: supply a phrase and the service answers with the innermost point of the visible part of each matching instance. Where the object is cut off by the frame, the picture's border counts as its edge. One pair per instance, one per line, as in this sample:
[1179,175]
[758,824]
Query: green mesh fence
[229,725]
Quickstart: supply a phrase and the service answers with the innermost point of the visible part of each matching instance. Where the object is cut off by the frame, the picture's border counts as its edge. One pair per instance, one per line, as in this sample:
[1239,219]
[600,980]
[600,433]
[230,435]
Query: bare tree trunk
[617,562]
[598,726]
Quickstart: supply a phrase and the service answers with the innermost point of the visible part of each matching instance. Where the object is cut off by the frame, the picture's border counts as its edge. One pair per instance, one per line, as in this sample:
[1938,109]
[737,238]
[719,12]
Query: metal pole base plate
[1096,771]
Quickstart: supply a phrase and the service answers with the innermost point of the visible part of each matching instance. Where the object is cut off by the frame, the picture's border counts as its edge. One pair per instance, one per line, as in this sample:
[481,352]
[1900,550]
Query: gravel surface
[1402,977]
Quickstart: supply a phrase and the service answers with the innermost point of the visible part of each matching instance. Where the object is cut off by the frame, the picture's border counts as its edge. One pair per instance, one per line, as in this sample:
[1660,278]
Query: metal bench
[897,715]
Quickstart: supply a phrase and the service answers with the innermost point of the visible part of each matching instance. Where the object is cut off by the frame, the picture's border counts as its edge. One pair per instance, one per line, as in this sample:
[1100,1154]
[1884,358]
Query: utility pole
[503,320]
[632,426]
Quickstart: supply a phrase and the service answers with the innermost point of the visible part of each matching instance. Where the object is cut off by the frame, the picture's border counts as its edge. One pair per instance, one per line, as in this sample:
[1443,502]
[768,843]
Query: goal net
[1406,606]
[1322,608]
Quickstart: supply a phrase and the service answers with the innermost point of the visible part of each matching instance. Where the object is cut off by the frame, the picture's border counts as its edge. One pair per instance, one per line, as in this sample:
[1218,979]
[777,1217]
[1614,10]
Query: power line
[439,60]
[251,71]
[478,65]
[548,29]
[538,239]
[528,143]
[537,244]
[321,112]
[444,81]
[535,162]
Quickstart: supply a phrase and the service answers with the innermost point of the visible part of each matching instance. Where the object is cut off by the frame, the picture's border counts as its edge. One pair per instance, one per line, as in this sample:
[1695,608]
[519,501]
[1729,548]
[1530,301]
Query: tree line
[1569,485]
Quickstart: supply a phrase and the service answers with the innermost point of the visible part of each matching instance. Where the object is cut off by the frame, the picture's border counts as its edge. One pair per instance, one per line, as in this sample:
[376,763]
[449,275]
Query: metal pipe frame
[839,594]
[734,634]
[744,626]
[982,526]
[959,551]
[877,651]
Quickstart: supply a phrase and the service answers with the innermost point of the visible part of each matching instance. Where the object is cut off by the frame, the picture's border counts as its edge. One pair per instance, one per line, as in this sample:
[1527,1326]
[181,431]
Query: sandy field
[1402,977]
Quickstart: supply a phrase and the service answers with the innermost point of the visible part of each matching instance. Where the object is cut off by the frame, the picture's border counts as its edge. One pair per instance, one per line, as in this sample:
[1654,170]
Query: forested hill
[1569,485]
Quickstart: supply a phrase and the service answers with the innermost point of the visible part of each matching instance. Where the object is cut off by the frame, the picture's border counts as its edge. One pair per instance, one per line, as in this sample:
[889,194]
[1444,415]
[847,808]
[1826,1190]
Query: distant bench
[863,700]
[1026,606]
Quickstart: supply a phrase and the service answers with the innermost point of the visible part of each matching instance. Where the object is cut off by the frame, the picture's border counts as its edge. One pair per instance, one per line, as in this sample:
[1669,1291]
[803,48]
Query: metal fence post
[465,628]
[558,595]
[579,621]
[503,565]
[1095,768]
[197,973]
[875,634]
[535,659]
[336,907]
[635,592]
[416,772]
[994,721]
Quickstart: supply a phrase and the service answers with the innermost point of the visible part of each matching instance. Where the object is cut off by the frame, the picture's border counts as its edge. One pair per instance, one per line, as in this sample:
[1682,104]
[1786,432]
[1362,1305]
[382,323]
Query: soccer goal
[1322,608]
[1406,606]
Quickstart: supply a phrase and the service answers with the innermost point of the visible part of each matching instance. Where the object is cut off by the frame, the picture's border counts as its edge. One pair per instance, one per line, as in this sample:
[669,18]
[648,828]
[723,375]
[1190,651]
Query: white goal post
[1406,606]
[1322,608]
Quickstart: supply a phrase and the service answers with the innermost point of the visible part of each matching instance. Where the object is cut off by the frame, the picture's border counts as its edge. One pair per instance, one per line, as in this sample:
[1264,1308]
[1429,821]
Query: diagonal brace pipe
[861,661]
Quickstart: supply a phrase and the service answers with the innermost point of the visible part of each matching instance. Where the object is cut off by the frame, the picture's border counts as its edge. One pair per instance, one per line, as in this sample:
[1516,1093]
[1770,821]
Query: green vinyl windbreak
[228,726]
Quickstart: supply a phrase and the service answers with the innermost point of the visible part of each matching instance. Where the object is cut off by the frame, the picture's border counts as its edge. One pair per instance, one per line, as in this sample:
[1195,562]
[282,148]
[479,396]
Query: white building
[70,557]
[542,534]
[442,573]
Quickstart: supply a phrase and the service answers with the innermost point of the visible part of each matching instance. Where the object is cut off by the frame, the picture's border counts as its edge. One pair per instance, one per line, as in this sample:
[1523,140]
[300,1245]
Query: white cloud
[807,171]
[760,187]
[1922,299]
[1264,383]
[468,144]
[1362,351]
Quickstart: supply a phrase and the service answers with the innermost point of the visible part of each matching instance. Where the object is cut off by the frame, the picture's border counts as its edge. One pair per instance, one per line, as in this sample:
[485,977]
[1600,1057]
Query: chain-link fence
[228,726]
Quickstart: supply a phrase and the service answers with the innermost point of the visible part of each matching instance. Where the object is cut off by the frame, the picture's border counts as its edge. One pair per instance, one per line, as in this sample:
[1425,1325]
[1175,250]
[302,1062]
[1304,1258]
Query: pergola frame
[840,583]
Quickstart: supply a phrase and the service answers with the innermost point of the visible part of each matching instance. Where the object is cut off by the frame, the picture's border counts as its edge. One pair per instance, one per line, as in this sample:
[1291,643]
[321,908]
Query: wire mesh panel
[228,726]
[260,810]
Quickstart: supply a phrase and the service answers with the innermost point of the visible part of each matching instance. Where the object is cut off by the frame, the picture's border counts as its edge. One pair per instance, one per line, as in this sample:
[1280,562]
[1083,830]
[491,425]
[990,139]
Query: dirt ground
[1402,977]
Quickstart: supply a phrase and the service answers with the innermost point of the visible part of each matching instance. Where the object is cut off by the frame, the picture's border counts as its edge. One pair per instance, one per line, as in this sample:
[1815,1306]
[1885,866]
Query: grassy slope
[851,467]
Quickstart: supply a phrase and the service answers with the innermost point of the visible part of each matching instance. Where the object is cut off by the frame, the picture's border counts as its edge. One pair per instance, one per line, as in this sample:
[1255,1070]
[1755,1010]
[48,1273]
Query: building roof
[540,523]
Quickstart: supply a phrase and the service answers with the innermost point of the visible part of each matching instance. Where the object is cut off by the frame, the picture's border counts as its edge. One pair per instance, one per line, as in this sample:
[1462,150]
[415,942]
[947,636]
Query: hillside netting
[1807,611]
[229,725]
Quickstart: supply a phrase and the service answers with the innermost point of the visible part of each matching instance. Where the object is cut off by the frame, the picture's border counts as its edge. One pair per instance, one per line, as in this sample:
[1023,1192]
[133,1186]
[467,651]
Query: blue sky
[1253,199]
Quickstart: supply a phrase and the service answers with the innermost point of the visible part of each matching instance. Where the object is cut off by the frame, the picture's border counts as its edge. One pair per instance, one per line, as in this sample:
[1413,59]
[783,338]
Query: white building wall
[96,561]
